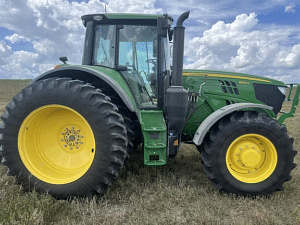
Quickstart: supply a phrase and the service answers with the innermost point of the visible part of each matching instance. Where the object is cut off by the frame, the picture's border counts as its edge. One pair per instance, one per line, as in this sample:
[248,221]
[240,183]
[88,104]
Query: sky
[260,37]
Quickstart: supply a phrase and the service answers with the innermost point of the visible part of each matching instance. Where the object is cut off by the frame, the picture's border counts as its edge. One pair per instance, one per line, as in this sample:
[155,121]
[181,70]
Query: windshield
[105,40]
[138,52]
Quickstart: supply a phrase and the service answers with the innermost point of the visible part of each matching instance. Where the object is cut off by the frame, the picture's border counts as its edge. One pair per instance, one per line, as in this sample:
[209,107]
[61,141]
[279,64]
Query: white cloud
[20,64]
[54,29]
[291,59]
[290,8]
[5,52]
[239,46]
[200,57]
[16,38]
[243,22]
[45,46]
[133,6]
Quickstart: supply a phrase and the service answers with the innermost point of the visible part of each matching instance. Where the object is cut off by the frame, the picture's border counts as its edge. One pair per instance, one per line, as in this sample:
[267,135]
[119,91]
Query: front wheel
[248,153]
[63,137]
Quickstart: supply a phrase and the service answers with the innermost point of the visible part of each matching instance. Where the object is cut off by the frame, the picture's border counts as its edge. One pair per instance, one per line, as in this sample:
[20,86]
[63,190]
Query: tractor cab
[138,47]
[135,45]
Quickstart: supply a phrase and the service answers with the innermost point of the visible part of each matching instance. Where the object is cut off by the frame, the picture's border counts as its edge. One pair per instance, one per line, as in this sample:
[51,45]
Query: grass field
[178,193]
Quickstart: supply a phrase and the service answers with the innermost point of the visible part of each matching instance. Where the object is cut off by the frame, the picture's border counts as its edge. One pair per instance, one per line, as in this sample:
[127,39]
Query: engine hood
[232,75]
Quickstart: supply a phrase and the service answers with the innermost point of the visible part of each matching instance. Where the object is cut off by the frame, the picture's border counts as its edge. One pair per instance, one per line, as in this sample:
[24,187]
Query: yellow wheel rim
[56,144]
[251,158]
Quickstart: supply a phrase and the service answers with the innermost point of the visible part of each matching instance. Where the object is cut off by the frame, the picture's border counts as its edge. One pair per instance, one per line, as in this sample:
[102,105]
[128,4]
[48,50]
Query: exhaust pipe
[178,50]
[176,96]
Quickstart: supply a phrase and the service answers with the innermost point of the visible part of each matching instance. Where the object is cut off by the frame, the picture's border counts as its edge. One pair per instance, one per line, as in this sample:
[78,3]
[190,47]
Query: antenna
[105,8]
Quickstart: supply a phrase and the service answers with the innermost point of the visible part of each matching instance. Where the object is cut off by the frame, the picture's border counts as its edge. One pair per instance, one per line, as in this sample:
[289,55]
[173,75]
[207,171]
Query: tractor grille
[270,95]
[229,87]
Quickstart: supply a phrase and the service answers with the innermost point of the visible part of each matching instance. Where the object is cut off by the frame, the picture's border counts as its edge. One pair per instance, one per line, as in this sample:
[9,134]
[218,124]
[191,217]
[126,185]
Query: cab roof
[125,18]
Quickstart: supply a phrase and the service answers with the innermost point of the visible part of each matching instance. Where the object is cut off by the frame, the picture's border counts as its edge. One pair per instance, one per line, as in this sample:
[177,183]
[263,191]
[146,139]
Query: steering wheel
[153,61]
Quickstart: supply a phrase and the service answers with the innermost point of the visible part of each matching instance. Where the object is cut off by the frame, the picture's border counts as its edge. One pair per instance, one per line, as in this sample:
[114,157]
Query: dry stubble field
[178,193]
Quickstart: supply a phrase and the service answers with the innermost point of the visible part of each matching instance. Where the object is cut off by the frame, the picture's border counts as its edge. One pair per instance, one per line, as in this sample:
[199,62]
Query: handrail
[291,113]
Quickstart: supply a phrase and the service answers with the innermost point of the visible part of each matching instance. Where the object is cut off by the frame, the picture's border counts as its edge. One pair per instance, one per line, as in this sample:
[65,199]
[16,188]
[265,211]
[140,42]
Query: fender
[69,70]
[220,113]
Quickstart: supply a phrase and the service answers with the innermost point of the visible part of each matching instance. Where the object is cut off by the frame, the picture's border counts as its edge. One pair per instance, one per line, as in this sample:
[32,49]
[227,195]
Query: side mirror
[64,59]
[162,27]
[120,68]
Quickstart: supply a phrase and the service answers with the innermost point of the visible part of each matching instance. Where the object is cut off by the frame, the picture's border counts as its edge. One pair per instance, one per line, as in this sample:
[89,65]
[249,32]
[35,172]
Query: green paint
[213,96]
[211,99]
[155,137]
[231,75]
[290,92]
[123,16]
[115,75]
[291,113]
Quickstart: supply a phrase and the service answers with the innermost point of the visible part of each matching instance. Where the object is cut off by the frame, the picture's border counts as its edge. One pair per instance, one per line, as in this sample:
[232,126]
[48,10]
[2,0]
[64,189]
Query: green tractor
[70,130]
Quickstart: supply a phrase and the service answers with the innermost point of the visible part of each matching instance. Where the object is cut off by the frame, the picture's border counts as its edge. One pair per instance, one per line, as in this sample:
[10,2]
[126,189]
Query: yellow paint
[243,82]
[226,76]
[251,158]
[56,144]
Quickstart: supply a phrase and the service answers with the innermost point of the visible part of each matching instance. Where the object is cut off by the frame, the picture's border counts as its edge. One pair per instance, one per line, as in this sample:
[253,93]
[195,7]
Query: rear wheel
[248,153]
[63,137]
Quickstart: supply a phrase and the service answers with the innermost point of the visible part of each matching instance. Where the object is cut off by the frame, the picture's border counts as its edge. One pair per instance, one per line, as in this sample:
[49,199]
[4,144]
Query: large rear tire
[63,137]
[248,153]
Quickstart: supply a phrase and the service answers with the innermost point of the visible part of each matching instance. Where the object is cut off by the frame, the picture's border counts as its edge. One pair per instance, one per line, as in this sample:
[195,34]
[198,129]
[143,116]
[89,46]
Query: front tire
[63,137]
[248,153]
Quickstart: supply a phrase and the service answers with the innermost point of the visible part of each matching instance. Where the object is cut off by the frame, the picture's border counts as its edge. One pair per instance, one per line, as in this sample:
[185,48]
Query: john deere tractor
[69,131]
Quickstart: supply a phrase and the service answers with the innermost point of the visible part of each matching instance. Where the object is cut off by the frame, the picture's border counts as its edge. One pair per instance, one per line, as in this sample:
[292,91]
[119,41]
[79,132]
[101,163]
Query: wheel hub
[250,155]
[72,137]
[251,158]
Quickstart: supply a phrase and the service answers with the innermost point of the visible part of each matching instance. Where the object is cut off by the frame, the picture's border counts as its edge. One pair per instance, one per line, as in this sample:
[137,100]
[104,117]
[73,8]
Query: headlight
[282,90]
